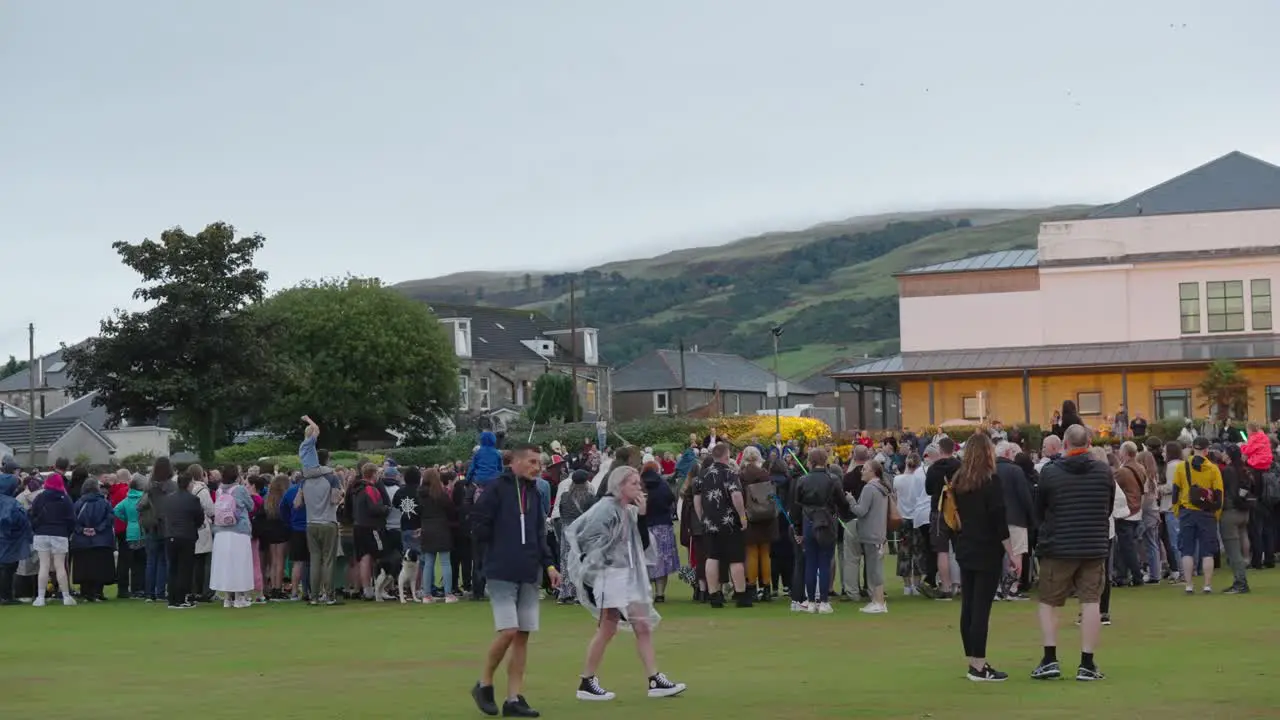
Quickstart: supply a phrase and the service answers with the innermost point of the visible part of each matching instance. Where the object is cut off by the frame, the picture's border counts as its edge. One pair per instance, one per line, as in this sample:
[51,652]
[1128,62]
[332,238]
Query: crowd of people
[985,522]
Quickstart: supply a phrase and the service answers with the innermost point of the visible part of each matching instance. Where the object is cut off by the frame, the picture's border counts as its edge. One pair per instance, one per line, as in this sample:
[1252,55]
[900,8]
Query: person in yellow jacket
[1197,501]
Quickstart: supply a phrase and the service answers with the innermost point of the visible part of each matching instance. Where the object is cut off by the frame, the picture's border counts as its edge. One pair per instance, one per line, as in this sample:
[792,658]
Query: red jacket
[118,491]
[1257,451]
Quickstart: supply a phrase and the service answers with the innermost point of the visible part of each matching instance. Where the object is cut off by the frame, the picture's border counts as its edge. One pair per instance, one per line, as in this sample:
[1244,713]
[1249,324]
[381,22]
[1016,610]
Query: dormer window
[461,335]
[590,346]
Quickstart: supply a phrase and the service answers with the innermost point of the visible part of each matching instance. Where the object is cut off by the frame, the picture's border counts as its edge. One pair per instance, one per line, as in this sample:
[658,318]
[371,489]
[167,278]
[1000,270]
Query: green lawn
[1167,656]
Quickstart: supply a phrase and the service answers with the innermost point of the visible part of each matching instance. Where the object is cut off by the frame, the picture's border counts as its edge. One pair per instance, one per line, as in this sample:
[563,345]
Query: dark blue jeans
[157,573]
[817,568]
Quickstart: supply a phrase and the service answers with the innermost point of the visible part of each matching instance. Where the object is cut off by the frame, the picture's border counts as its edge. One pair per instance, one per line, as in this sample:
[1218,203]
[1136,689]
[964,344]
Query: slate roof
[1002,260]
[660,370]
[55,375]
[1235,181]
[83,409]
[1191,351]
[16,434]
[496,333]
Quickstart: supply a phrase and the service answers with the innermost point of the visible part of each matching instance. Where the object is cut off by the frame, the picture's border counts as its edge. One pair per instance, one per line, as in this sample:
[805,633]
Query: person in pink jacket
[1257,449]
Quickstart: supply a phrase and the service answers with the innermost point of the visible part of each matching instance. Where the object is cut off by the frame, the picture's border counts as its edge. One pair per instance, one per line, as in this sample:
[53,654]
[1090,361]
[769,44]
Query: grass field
[1167,656]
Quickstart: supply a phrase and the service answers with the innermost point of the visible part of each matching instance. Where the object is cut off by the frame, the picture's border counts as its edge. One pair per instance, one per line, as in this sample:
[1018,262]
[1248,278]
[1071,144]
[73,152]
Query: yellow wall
[1004,394]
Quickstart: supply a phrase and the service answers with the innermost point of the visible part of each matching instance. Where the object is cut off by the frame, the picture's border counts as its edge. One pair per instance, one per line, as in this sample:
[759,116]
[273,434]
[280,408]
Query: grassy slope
[1167,656]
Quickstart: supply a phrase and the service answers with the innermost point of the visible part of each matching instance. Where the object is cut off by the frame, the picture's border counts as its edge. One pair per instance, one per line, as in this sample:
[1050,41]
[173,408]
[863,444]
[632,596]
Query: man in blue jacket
[508,517]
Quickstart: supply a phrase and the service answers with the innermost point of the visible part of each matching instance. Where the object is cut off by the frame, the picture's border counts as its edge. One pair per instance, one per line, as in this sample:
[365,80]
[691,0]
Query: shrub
[1032,435]
[254,449]
[138,462]
[803,430]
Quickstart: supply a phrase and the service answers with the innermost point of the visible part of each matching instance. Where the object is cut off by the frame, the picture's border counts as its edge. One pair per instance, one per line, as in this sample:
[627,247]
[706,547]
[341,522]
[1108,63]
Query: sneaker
[483,696]
[660,687]
[1084,674]
[518,708]
[1207,590]
[1237,590]
[1188,590]
[38,602]
[331,600]
[1106,618]
[1019,597]
[875,609]
[799,606]
[1047,671]
[987,674]
[182,606]
[825,608]
[589,689]
[450,599]
[68,601]
[241,604]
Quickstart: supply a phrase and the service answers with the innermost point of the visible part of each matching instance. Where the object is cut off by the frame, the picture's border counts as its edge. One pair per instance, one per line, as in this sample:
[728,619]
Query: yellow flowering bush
[843,452]
[762,427]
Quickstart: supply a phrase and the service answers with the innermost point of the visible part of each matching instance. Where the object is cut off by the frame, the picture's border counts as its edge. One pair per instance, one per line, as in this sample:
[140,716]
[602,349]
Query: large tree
[194,351]
[359,358]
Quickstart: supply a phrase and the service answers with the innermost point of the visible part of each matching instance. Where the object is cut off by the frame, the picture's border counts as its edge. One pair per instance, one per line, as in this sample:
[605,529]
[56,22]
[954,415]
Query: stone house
[713,383]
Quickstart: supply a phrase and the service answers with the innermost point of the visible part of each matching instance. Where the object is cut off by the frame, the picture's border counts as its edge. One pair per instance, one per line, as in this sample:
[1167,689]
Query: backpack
[148,518]
[760,505]
[1269,494]
[821,525]
[947,508]
[224,509]
[893,520]
[258,521]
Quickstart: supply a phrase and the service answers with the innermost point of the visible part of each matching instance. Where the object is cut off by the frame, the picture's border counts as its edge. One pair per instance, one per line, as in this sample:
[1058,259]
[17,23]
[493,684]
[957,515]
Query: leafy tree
[1226,391]
[554,396]
[13,367]
[195,350]
[359,358]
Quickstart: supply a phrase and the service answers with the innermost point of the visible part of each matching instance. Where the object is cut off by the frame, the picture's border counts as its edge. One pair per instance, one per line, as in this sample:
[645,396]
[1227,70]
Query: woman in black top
[1070,416]
[981,546]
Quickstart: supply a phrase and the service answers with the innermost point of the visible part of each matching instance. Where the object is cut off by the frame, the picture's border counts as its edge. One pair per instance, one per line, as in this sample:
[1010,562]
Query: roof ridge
[1100,213]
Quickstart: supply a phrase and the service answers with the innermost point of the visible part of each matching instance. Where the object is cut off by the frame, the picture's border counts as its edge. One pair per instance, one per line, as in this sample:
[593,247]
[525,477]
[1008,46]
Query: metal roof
[1002,260]
[1235,181]
[16,433]
[660,370]
[1095,355]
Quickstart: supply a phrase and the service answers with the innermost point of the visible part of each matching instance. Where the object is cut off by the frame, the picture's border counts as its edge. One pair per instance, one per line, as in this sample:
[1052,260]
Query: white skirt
[232,568]
[614,591]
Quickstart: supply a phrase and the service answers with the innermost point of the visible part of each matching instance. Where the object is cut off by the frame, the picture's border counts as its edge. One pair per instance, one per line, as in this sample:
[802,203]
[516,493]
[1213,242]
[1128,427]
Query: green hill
[831,286]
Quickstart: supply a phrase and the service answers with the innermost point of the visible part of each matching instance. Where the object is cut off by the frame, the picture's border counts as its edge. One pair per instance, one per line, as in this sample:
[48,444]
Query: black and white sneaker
[589,689]
[660,687]
[1084,674]
[1047,671]
[986,674]
[1106,618]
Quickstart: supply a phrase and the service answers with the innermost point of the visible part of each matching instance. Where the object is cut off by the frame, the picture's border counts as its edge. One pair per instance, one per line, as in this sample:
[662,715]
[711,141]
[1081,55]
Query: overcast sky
[413,138]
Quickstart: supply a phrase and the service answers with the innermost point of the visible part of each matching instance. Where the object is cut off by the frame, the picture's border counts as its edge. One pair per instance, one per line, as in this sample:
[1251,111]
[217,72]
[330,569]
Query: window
[972,408]
[1260,297]
[589,396]
[1226,305]
[1273,403]
[1089,403]
[1189,303]
[464,392]
[1173,404]
[733,404]
[660,402]
[482,385]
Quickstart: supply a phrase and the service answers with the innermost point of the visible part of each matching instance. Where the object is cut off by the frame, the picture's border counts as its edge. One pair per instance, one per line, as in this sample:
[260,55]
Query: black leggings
[7,573]
[977,593]
[1105,605]
[200,566]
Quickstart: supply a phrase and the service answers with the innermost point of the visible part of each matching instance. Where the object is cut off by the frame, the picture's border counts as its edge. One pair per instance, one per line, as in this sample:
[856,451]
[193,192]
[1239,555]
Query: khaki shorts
[1018,539]
[1060,576]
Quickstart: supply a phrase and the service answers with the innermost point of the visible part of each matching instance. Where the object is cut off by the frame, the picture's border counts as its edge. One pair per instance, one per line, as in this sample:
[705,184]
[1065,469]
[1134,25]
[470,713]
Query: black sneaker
[987,674]
[483,695]
[660,687]
[1047,671]
[518,708]
[1106,618]
[1084,674]
[1237,590]
[589,689]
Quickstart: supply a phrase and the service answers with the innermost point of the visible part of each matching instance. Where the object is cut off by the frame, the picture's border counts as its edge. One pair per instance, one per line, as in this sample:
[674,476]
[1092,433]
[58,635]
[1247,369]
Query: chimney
[41,380]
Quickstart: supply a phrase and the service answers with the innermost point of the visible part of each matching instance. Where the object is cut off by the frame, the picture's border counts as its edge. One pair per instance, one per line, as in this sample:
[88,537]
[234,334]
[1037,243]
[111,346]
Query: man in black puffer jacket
[1074,503]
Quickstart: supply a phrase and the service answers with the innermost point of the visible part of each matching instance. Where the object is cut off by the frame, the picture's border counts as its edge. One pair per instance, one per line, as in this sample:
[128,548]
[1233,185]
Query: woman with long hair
[759,534]
[276,534]
[436,537]
[1237,483]
[1150,516]
[1070,416]
[231,569]
[608,557]
[572,503]
[692,537]
[981,546]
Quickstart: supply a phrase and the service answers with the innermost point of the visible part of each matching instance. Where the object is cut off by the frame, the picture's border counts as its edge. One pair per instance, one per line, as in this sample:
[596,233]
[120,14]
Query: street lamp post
[776,331]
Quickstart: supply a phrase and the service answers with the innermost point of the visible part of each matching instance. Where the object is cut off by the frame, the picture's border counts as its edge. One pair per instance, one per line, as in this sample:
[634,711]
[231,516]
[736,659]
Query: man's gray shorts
[515,605]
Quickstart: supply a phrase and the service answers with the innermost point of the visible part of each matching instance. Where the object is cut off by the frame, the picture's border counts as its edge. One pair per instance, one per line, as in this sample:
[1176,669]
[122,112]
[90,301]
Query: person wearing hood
[659,517]
[15,532]
[572,501]
[1074,503]
[132,572]
[53,520]
[486,461]
[93,543]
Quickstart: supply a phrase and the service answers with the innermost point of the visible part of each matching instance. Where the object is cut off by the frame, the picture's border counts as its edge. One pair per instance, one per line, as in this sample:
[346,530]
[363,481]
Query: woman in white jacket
[203,564]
